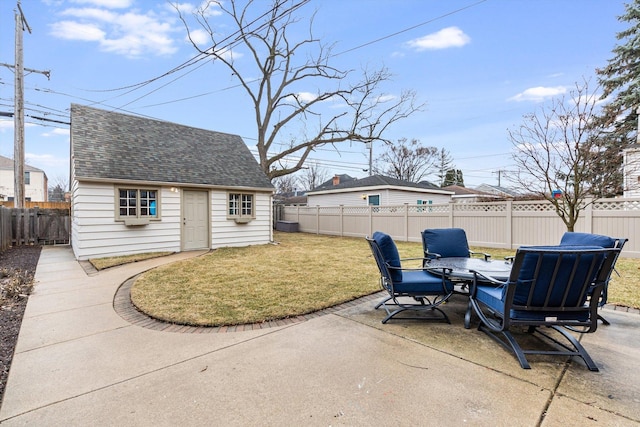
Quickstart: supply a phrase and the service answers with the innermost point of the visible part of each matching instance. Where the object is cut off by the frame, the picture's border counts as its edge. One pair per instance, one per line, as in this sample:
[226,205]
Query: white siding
[35,191]
[96,234]
[225,232]
[388,197]
[632,172]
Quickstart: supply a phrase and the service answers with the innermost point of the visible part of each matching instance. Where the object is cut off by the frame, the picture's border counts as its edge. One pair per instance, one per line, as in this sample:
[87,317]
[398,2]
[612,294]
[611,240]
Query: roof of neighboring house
[494,189]
[115,146]
[7,164]
[379,181]
[464,191]
[328,184]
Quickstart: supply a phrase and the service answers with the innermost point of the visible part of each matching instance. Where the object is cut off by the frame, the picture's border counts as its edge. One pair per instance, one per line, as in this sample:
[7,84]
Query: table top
[459,267]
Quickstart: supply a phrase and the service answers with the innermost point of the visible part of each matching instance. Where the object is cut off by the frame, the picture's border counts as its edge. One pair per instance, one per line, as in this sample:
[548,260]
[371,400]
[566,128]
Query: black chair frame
[581,317]
[418,301]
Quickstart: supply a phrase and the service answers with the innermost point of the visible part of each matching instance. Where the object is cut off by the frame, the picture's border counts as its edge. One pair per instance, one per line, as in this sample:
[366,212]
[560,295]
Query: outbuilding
[144,185]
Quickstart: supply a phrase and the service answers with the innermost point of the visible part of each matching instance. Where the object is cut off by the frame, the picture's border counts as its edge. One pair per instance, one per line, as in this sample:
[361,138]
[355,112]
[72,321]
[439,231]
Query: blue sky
[478,65]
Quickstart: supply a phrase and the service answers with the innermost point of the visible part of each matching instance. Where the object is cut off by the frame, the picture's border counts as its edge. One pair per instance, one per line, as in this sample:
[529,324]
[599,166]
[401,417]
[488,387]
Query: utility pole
[18,116]
[499,172]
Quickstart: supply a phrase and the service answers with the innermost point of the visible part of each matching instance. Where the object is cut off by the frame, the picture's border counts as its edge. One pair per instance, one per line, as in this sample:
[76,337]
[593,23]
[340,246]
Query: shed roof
[115,146]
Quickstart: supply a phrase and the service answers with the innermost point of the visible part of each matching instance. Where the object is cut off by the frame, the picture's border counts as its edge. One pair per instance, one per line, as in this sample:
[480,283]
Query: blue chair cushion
[447,242]
[528,269]
[389,253]
[586,239]
[421,282]
[492,297]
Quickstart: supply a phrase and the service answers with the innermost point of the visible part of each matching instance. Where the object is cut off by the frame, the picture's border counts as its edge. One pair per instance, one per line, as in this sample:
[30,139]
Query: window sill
[132,222]
[242,220]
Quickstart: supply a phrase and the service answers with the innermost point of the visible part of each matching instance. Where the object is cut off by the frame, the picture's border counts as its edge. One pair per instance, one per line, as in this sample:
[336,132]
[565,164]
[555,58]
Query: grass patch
[102,263]
[301,274]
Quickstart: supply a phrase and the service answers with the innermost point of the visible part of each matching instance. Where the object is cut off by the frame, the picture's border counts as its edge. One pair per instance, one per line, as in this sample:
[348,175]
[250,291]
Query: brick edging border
[124,307]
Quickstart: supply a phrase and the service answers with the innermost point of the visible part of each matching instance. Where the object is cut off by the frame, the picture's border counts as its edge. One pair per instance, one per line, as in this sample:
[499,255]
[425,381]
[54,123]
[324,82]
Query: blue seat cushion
[447,242]
[492,297]
[586,239]
[421,282]
[389,253]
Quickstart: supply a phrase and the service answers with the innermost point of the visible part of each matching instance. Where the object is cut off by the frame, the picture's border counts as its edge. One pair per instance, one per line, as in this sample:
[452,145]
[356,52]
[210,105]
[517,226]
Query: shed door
[195,220]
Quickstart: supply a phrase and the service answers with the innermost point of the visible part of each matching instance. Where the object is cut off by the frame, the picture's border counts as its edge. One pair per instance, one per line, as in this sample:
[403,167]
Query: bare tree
[557,151]
[444,164]
[285,184]
[407,160]
[312,176]
[276,69]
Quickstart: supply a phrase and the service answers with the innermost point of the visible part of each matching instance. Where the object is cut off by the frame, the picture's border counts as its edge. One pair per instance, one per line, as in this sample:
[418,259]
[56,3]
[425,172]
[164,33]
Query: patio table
[459,270]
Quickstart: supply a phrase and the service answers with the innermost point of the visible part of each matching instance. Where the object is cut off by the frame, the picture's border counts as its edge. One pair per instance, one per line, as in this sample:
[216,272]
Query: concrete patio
[80,361]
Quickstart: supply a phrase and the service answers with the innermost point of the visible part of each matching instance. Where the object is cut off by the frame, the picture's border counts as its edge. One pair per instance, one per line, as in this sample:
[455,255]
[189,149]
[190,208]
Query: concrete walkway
[78,362]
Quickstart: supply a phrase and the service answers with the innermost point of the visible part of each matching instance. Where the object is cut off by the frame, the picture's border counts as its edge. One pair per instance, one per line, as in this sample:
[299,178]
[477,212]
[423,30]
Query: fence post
[509,224]
[317,219]
[406,222]
[370,208]
[341,220]
[588,214]
[451,218]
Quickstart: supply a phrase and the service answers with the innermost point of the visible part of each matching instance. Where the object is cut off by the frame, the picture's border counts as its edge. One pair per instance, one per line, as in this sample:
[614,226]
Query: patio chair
[447,242]
[571,238]
[409,288]
[548,288]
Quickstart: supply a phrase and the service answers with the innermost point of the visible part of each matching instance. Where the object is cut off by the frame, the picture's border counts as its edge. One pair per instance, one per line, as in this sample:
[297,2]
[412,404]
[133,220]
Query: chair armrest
[485,255]
[486,278]
[510,258]
[432,255]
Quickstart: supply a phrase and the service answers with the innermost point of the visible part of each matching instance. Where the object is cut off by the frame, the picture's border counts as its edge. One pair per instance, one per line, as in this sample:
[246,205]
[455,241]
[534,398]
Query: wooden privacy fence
[488,224]
[33,227]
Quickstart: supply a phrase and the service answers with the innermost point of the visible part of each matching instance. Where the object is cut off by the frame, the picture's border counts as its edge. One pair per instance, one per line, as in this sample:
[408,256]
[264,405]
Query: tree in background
[273,67]
[407,160]
[557,151]
[444,163]
[57,189]
[453,177]
[618,119]
[312,176]
[286,184]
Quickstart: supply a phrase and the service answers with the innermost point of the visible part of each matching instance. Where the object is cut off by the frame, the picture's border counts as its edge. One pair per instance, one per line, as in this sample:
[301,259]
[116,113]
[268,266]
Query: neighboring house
[142,185]
[631,170]
[497,191]
[35,182]
[468,195]
[378,190]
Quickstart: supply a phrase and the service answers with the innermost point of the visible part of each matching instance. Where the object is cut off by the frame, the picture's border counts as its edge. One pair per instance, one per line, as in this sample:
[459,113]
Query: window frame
[138,219]
[239,216]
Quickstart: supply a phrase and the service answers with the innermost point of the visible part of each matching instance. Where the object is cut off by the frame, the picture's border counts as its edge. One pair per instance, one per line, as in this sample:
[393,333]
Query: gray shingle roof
[108,145]
[7,164]
[378,180]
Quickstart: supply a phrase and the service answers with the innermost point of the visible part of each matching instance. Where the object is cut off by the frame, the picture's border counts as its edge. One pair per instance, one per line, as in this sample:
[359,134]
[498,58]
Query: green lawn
[301,274]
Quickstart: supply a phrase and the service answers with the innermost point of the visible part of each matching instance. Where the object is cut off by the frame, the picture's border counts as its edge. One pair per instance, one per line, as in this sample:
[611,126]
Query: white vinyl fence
[491,224]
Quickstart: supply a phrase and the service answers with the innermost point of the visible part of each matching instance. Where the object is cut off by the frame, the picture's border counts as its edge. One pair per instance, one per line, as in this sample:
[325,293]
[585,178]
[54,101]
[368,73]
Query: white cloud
[443,39]
[539,93]
[303,97]
[56,132]
[199,37]
[129,33]
[70,30]
[113,4]
[6,124]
